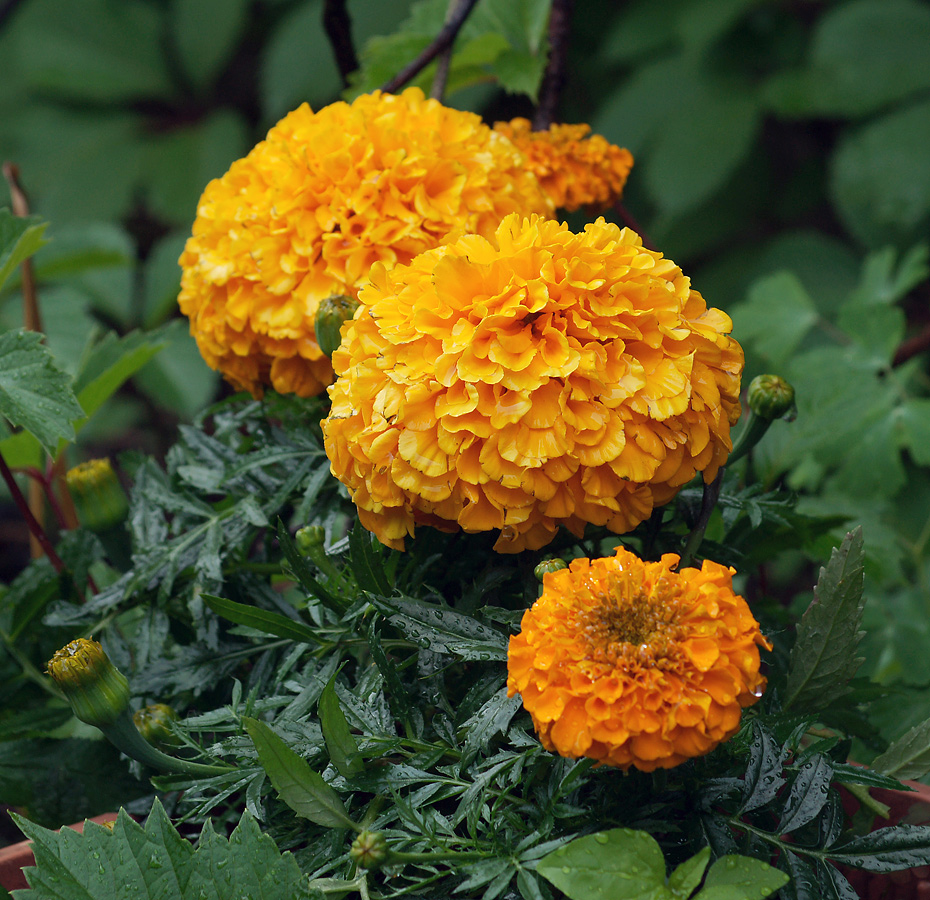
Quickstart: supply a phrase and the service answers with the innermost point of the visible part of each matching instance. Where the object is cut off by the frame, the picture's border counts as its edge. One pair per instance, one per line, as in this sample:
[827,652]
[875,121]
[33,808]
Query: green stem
[750,436]
[430,856]
[124,735]
[708,502]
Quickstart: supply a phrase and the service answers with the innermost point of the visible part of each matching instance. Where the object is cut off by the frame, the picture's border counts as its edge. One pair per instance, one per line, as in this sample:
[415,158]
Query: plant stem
[124,735]
[338,28]
[754,431]
[708,502]
[556,74]
[35,529]
[444,61]
[445,38]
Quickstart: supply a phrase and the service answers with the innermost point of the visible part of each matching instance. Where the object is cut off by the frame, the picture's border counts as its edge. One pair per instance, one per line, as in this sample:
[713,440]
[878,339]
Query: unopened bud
[330,315]
[549,565]
[369,849]
[97,691]
[154,723]
[310,538]
[771,397]
[98,496]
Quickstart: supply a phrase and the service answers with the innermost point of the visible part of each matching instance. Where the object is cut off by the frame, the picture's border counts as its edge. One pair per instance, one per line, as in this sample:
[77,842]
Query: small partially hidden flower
[634,664]
[99,498]
[316,204]
[534,379]
[575,169]
[155,724]
[97,691]
[332,313]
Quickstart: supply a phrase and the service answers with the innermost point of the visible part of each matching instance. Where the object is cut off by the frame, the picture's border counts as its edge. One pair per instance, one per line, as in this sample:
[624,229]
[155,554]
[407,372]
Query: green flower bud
[330,315]
[97,691]
[154,724]
[98,496]
[369,849]
[310,538]
[549,565]
[771,397]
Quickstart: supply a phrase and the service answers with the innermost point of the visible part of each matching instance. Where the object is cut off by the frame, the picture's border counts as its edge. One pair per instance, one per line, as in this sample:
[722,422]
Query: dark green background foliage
[781,160]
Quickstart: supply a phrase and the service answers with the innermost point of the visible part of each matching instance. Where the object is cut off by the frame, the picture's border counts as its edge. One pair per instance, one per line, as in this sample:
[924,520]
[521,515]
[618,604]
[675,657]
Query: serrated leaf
[262,619]
[492,719]
[739,877]
[302,789]
[152,863]
[396,694]
[808,794]
[34,393]
[619,864]
[823,658]
[908,756]
[20,237]
[367,561]
[687,876]
[886,849]
[444,630]
[764,774]
[343,750]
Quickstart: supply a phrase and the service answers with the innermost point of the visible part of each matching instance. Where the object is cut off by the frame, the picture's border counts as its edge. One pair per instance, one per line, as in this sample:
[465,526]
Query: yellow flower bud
[97,691]
[98,496]
[154,723]
[330,315]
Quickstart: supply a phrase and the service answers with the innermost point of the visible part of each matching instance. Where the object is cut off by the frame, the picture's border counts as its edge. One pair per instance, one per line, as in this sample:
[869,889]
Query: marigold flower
[535,379]
[575,170]
[312,207]
[633,664]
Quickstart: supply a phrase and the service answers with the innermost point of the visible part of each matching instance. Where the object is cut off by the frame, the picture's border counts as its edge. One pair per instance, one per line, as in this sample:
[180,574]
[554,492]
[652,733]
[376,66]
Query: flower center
[629,625]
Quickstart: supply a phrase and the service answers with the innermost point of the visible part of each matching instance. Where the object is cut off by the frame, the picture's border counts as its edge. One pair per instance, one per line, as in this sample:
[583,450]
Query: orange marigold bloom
[633,664]
[535,379]
[575,170]
[312,207]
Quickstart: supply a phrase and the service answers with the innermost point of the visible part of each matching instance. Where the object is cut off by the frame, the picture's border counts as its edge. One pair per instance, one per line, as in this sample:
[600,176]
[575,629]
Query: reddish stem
[556,74]
[35,529]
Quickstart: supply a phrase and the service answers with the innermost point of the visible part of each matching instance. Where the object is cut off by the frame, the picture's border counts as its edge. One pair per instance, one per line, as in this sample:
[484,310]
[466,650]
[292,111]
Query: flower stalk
[99,695]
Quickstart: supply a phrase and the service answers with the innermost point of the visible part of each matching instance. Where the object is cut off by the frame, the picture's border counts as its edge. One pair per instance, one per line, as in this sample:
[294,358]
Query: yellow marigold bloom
[575,170]
[633,664]
[312,207]
[534,379]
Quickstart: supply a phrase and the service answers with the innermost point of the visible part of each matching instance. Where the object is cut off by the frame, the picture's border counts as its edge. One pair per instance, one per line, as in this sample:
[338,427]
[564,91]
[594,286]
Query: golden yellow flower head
[97,691]
[574,169]
[98,496]
[633,664]
[533,379]
[312,207]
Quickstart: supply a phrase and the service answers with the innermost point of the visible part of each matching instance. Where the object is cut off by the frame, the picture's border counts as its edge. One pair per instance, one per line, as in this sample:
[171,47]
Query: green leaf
[397,696]
[262,619]
[886,849]
[764,774]
[93,50]
[865,55]
[823,657]
[343,751]
[808,795]
[302,789]
[620,864]
[34,392]
[444,630]
[111,363]
[367,559]
[739,877]
[775,318]
[206,32]
[20,237]
[880,179]
[908,756]
[135,863]
[684,880]
[491,720]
